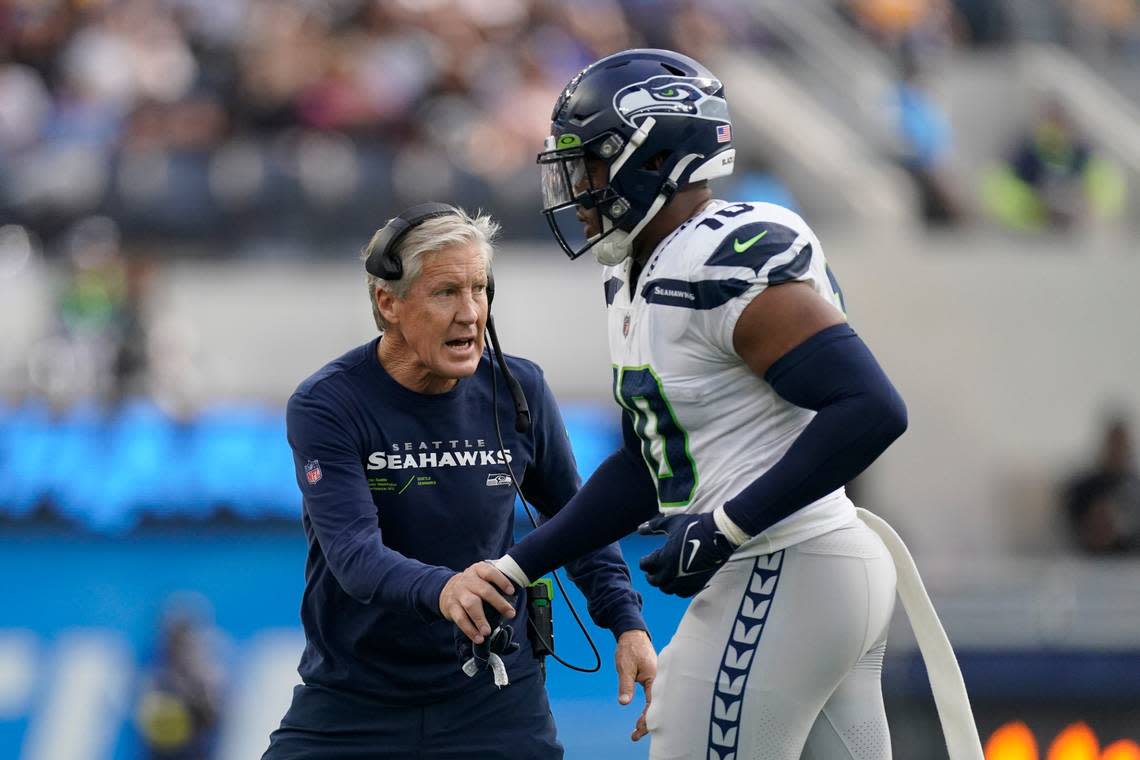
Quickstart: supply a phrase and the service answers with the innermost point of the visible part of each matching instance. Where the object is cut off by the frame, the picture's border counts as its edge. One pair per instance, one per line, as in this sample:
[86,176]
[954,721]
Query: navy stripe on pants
[736,662]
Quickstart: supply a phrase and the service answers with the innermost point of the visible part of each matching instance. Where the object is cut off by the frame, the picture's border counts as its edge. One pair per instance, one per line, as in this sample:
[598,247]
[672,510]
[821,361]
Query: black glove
[694,550]
[474,658]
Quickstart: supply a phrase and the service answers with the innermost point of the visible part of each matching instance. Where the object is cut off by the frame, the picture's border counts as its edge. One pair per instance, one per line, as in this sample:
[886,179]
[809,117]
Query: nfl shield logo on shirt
[313,472]
[625,327]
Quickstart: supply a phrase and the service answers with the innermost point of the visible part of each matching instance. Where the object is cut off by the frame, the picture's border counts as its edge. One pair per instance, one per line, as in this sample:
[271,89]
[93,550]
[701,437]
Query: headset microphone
[522,410]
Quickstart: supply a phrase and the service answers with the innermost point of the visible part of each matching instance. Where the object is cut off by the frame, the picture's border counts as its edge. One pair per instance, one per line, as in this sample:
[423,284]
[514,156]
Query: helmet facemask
[569,189]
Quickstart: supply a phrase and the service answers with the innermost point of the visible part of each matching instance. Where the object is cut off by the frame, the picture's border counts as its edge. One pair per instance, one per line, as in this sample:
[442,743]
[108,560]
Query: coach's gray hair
[431,236]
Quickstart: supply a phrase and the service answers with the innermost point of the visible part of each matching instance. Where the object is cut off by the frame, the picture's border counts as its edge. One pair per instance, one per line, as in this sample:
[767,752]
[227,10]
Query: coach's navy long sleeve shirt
[403,489]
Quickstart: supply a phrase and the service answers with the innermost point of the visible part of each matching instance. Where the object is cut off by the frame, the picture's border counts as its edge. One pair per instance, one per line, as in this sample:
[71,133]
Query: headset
[384,262]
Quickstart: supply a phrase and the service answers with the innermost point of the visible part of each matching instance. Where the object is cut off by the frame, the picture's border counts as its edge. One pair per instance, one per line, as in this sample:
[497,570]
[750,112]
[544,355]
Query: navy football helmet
[657,119]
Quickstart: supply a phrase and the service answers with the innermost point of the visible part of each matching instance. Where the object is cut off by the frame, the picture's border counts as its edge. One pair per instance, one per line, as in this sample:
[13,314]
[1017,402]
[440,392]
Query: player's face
[442,318]
[595,177]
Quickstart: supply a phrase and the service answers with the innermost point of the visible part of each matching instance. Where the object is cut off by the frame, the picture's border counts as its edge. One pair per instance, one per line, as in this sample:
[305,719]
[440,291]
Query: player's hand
[461,600]
[694,550]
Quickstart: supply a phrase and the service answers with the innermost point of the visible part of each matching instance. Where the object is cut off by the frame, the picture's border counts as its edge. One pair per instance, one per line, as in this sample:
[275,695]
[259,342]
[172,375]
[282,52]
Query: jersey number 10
[664,442]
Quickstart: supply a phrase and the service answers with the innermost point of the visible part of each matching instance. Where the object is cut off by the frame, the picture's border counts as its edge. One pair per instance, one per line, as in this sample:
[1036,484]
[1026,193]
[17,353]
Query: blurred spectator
[923,139]
[1109,25]
[178,711]
[983,22]
[888,19]
[926,27]
[936,24]
[130,366]
[1103,503]
[1054,178]
[705,29]
[101,348]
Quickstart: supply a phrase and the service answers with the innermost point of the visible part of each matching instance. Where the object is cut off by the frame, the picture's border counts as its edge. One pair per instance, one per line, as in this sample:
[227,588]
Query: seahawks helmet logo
[671,96]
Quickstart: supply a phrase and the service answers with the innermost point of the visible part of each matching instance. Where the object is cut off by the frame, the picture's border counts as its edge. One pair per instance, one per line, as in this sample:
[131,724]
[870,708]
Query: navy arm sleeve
[618,497]
[600,573]
[858,415]
[344,518]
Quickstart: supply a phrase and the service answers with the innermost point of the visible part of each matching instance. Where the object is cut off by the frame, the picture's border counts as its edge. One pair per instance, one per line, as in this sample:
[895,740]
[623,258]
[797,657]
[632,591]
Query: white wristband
[730,529]
[508,567]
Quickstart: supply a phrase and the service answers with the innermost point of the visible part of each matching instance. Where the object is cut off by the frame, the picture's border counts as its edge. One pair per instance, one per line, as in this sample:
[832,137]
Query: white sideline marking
[18,652]
[264,690]
[84,706]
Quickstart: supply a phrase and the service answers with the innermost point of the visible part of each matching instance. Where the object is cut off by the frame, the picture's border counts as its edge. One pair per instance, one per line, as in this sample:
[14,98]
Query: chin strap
[616,245]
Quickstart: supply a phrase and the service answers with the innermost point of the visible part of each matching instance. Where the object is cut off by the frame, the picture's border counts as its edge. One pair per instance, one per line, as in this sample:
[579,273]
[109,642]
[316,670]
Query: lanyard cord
[526,508]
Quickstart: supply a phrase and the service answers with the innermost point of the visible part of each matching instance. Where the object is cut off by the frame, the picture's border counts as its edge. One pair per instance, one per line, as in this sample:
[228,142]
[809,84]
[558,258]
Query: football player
[747,403]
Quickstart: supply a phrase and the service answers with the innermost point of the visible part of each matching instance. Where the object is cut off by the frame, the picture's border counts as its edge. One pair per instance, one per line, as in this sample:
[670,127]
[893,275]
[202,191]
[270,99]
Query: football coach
[407,487]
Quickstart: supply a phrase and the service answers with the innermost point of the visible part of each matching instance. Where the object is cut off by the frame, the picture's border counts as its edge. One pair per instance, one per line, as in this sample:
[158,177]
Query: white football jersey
[707,424]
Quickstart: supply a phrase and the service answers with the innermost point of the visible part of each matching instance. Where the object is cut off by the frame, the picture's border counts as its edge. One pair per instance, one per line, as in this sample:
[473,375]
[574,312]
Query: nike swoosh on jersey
[753,245]
[742,247]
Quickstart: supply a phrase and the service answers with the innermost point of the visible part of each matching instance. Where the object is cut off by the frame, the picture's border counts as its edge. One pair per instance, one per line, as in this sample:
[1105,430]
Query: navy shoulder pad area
[612,286]
[753,245]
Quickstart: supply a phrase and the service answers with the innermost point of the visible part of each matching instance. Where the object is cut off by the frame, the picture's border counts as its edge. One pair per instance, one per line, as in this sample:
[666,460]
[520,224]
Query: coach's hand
[694,550]
[636,662]
[461,600]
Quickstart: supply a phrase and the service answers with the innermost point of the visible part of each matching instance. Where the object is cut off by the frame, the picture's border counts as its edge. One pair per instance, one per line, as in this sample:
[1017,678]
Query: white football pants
[780,658]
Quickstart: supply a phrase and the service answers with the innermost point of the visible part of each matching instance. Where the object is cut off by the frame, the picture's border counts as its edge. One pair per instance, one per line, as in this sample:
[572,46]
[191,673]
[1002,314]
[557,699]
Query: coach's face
[435,333]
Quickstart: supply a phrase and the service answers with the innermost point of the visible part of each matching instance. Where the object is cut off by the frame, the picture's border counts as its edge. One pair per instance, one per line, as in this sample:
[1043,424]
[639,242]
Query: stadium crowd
[194,118]
[295,120]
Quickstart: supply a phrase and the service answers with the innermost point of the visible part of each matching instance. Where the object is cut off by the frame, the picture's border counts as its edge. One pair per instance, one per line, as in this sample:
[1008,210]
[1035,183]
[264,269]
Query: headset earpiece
[383,262]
